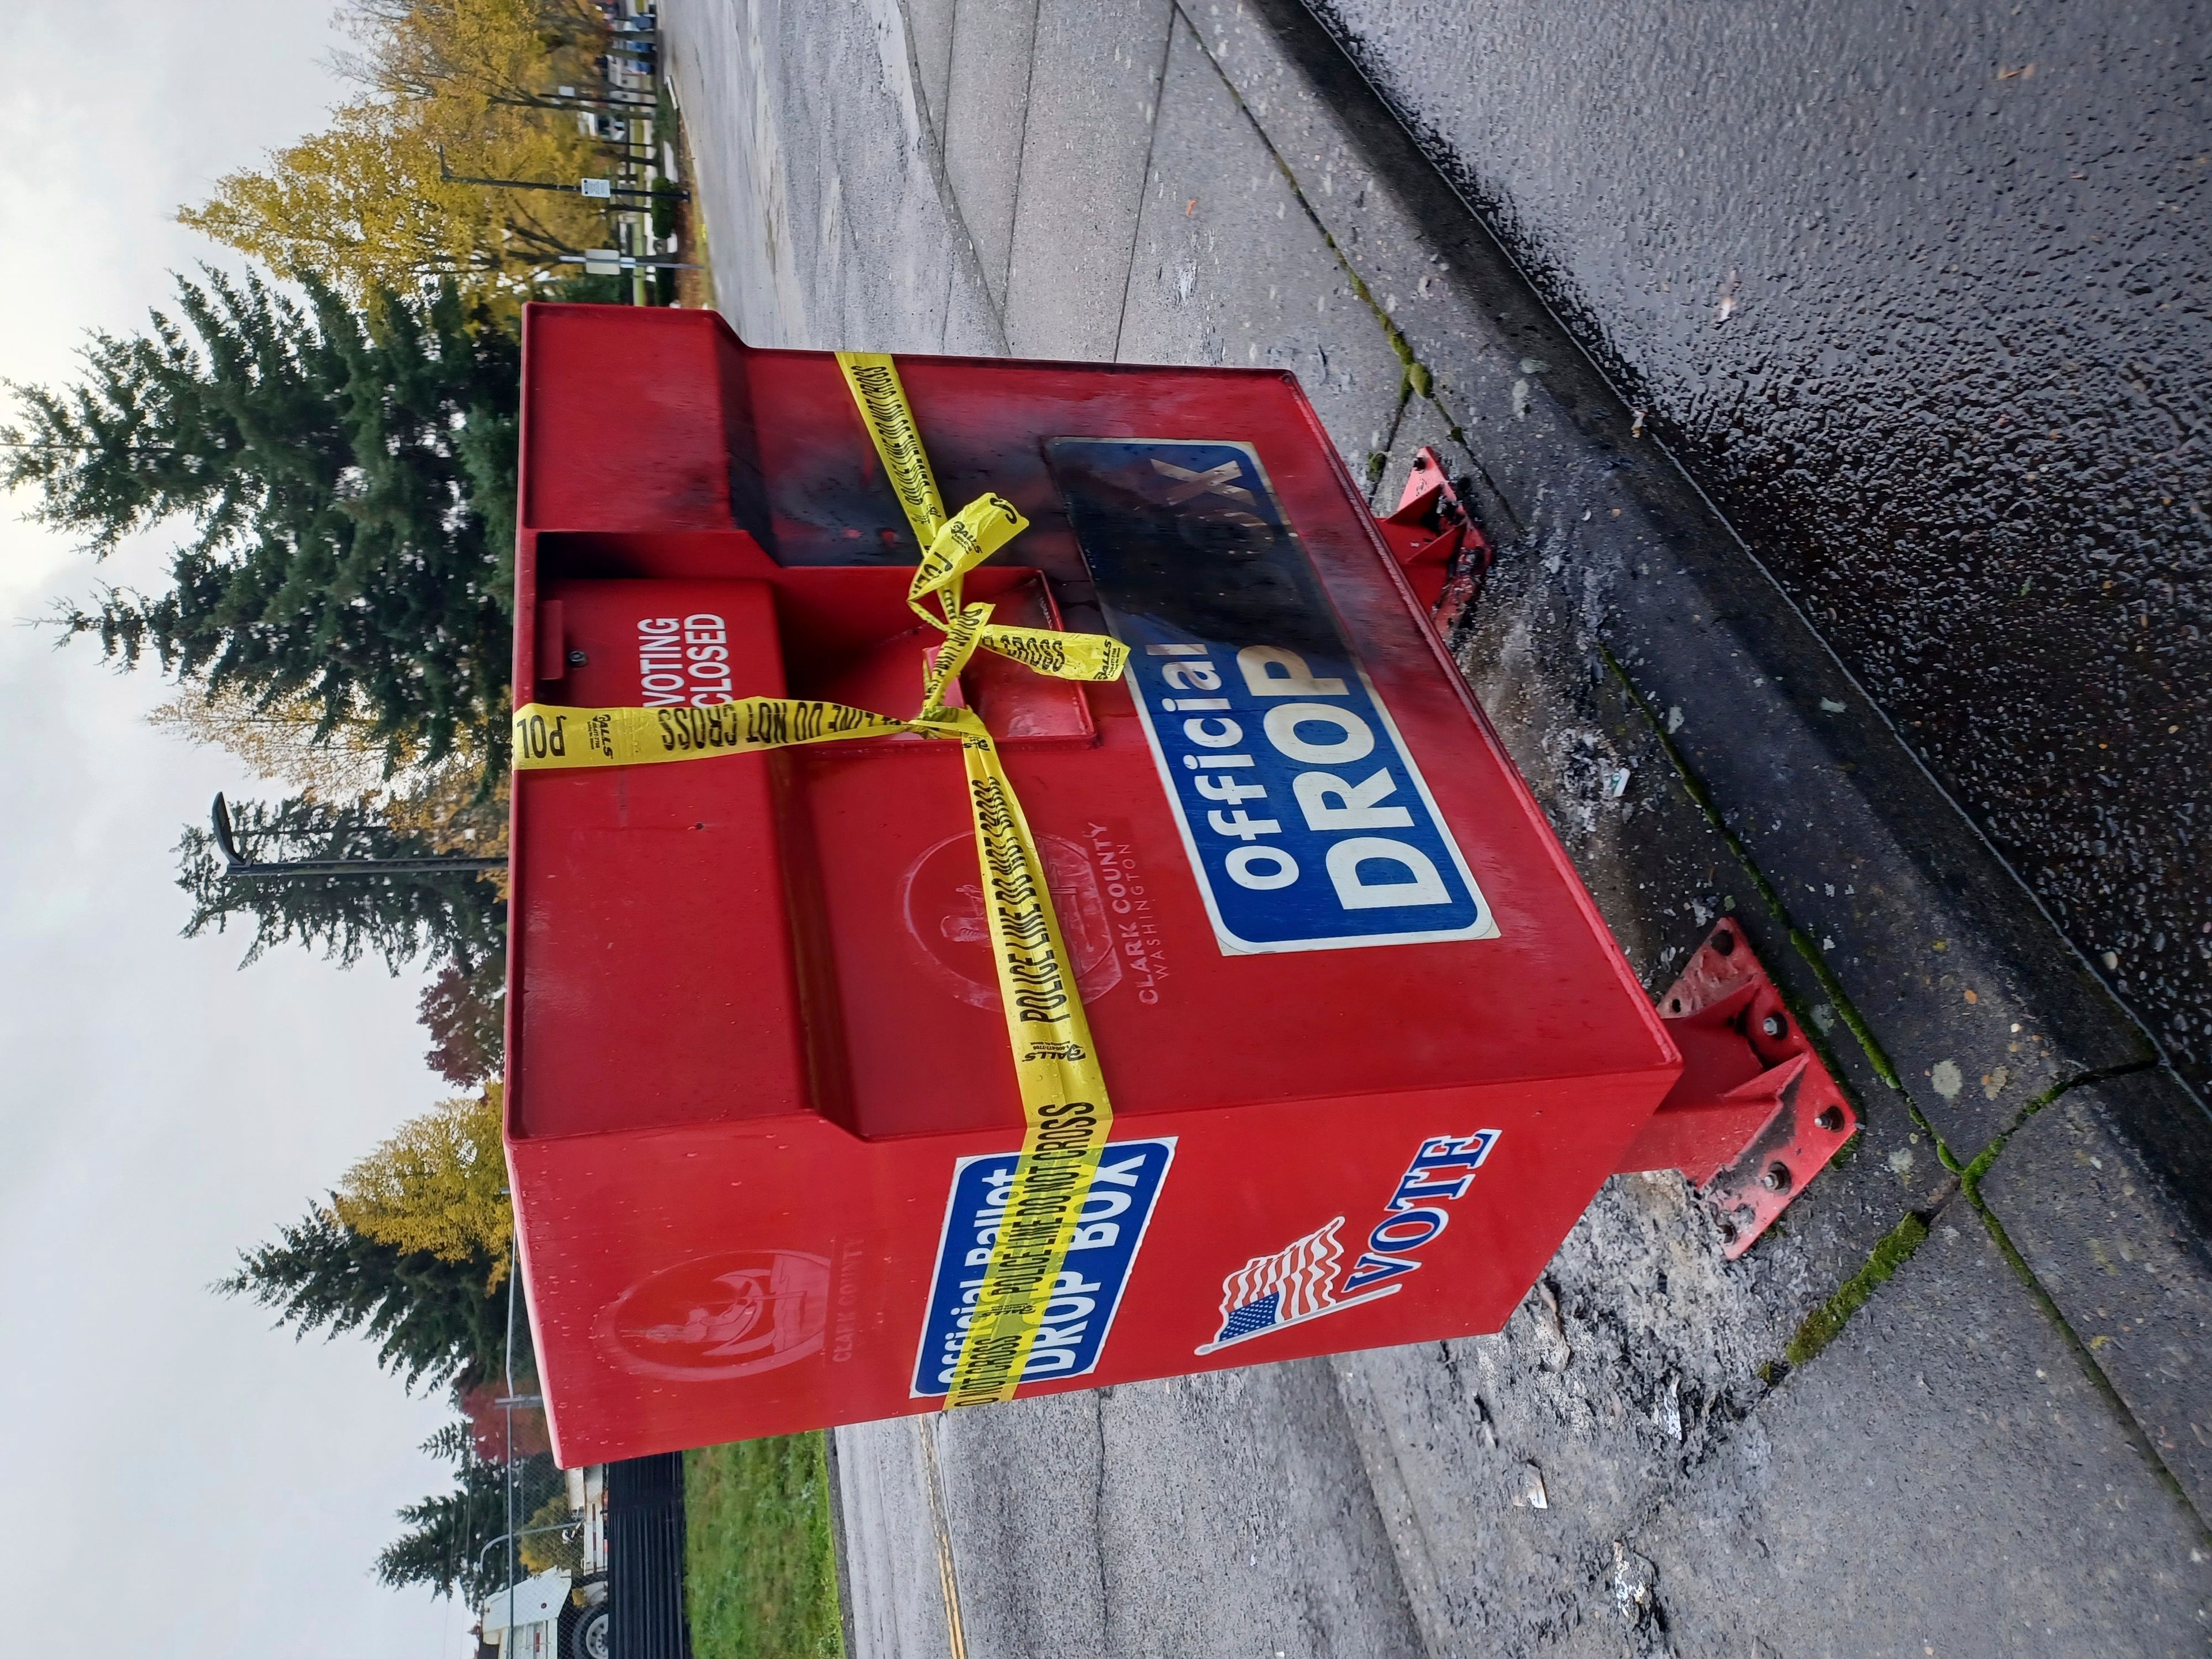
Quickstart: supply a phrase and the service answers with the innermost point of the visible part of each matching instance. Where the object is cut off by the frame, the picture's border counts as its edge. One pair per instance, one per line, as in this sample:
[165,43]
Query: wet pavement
[1994,1455]
[1918,295]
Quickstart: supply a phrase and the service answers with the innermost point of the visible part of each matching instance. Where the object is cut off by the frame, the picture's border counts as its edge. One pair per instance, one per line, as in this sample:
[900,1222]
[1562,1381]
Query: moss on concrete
[1826,1323]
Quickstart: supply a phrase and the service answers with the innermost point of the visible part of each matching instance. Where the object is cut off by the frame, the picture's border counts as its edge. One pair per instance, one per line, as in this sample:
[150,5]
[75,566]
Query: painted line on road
[956,1634]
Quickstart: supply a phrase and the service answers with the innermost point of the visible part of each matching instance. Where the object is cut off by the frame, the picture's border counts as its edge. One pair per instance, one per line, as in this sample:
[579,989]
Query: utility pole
[569,98]
[606,262]
[597,189]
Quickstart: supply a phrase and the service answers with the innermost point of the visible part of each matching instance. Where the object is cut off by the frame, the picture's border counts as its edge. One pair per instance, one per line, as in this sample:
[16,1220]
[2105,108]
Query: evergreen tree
[397,918]
[433,1320]
[349,475]
[448,1542]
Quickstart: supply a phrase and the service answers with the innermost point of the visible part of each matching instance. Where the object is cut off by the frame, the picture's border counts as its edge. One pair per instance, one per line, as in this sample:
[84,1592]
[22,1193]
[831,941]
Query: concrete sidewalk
[2009,1448]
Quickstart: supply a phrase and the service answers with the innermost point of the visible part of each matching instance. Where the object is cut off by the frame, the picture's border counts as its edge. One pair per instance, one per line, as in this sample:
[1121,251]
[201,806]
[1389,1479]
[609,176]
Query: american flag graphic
[1297,1283]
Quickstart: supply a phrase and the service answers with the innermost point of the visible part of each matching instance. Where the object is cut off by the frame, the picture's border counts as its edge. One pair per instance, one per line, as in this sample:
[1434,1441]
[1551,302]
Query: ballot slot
[845,633]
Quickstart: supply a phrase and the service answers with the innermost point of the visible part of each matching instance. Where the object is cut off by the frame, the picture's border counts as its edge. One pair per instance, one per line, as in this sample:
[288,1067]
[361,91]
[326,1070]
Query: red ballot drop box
[1370,1049]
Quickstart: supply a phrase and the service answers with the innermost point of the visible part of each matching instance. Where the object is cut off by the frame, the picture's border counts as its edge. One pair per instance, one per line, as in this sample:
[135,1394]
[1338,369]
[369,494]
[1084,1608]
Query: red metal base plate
[1726,985]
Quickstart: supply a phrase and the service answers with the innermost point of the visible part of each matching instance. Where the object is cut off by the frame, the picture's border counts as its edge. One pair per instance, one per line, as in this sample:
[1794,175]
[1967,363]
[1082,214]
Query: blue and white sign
[1111,1225]
[1307,823]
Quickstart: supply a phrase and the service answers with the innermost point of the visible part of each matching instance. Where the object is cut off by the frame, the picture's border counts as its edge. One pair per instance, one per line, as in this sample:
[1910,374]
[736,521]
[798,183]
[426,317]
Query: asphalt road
[1918,293]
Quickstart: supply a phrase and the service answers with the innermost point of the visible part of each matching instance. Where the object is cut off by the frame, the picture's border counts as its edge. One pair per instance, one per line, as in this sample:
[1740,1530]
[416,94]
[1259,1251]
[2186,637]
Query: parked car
[628,1564]
[567,1612]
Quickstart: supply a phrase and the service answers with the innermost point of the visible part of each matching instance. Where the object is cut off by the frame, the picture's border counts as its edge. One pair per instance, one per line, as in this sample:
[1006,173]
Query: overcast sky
[179,1478]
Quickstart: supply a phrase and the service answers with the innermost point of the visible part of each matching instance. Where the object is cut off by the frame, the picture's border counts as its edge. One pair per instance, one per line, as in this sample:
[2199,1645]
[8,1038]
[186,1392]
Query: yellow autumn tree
[506,51]
[283,742]
[460,88]
[542,1547]
[437,1186]
[451,805]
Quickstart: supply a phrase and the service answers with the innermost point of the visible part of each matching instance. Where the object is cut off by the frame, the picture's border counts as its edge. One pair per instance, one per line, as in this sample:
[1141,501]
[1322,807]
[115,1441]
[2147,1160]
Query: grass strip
[760,1577]
[1826,1323]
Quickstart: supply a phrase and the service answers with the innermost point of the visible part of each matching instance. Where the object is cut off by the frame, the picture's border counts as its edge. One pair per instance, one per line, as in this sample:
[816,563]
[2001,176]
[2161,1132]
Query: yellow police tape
[1063,1092]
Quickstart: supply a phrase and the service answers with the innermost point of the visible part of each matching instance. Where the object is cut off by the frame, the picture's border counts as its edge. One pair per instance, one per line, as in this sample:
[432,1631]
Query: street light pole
[238,867]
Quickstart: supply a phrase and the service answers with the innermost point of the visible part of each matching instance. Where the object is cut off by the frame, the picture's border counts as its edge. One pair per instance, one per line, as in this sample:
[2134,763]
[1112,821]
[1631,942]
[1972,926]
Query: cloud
[177,1468]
